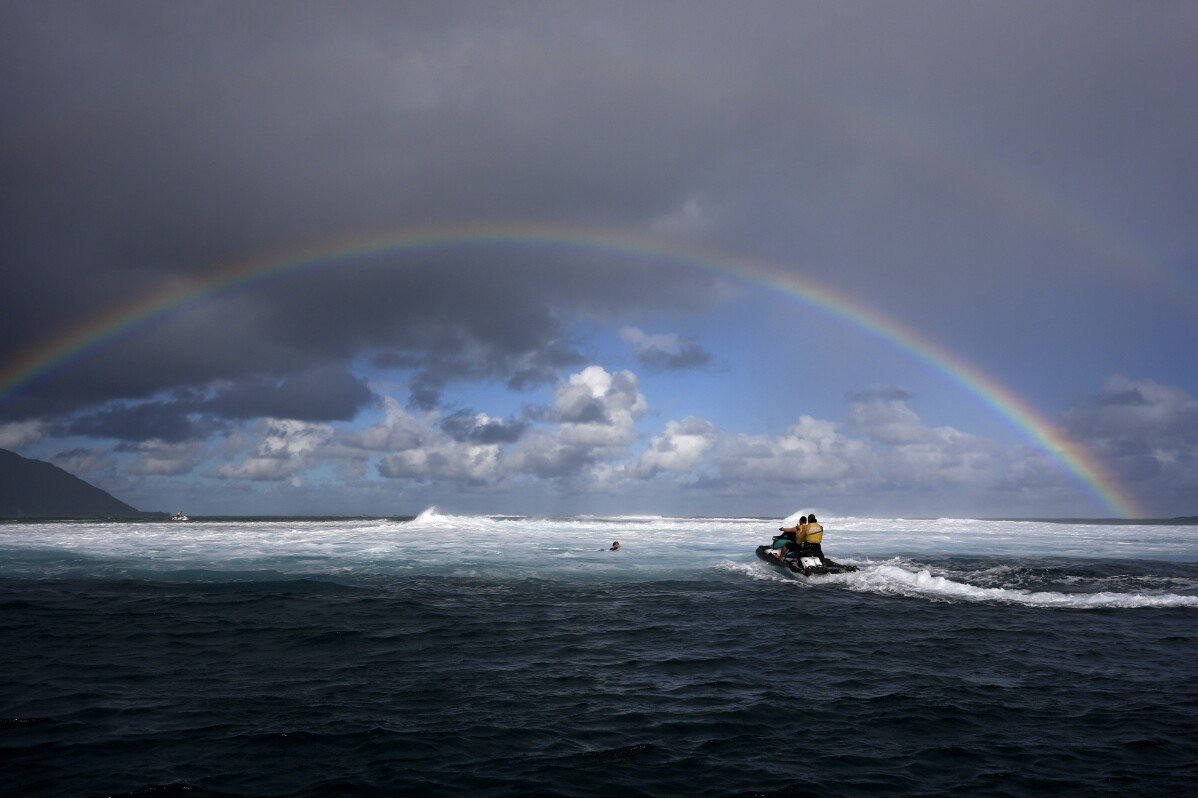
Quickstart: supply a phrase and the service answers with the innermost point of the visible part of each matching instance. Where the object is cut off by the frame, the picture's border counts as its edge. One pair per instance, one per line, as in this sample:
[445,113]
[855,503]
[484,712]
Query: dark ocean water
[479,655]
[716,682]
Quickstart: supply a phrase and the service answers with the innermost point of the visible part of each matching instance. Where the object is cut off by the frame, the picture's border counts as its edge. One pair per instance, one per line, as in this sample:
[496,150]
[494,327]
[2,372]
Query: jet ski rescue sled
[807,566]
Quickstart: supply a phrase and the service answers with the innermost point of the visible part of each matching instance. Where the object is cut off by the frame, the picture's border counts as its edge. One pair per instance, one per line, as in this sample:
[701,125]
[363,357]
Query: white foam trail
[756,570]
[894,580]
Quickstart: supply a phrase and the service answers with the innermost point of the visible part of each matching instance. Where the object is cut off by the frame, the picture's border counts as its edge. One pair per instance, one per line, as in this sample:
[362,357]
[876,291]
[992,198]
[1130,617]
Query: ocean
[452,655]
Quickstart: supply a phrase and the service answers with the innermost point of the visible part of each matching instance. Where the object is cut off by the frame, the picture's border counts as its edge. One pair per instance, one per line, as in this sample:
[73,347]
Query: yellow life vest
[813,533]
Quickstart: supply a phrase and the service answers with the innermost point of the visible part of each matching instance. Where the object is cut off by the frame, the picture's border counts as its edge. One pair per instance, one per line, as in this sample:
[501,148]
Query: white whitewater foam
[894,580]
[427,516]
[892,552]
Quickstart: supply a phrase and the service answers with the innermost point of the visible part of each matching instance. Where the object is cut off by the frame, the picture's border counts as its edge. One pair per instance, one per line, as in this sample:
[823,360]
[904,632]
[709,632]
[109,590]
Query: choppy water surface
[508,656]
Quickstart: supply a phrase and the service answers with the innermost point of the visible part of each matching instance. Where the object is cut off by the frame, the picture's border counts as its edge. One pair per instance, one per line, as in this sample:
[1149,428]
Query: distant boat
[179,517]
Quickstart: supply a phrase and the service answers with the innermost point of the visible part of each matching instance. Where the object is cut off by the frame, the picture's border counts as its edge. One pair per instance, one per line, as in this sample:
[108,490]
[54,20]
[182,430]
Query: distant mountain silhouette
[37,489]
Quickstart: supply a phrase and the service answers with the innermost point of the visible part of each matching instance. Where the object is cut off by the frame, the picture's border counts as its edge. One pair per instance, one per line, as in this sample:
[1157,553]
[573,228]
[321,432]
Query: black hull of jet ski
[795,566]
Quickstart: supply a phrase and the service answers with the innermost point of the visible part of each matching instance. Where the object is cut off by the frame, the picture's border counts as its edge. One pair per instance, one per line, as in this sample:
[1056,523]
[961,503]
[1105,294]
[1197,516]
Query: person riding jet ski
[799,549]
[786,545]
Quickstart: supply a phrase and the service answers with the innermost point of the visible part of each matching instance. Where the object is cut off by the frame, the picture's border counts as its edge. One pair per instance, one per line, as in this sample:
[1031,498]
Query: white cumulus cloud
[415,447]
[595,413]
[680,448]
[283,448]
[21,433]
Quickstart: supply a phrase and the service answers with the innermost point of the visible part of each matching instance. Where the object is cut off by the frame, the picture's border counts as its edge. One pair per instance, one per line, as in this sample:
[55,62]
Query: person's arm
[796,529]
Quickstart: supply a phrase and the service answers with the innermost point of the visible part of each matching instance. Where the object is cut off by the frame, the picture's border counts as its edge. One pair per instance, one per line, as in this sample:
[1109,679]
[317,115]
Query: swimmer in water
[615,545]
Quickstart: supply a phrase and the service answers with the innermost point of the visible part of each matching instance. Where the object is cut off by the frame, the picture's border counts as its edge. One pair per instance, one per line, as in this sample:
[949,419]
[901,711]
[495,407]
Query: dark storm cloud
[1146,432]
[144,142]
[544,366]
[326,394]
[167,421]
[147,143]
[1137,417]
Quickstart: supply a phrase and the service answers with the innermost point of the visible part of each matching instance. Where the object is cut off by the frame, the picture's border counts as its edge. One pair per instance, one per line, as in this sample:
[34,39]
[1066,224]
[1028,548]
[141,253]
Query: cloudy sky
[1011,185]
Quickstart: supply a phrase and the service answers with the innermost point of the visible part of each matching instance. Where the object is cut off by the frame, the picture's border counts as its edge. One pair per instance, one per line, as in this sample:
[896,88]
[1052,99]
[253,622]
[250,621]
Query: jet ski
[807,566]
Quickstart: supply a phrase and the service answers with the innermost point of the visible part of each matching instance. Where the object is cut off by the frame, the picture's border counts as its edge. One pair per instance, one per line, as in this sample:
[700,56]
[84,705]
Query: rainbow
[129,319]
